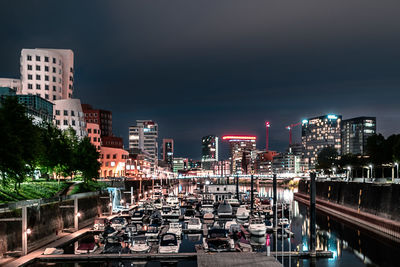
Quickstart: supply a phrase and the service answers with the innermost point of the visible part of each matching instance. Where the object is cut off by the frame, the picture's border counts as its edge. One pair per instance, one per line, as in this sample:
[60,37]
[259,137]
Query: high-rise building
[318,133]
[99,116]
[14,84]
[168,151]
[144,136]
[241,149]
[68,113]
[48,73]
[209,151]
[355,133]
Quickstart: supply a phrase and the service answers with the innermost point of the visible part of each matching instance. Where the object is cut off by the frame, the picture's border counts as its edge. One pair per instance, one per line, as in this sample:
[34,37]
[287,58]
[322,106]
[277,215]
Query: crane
[290,127]
[267,125]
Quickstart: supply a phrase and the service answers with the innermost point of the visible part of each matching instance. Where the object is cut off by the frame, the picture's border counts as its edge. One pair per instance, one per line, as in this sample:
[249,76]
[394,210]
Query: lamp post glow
[397,170]
[348,173]
[370,166]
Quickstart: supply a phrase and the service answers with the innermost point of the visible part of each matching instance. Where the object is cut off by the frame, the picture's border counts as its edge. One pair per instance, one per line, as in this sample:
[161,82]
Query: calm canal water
[350,245]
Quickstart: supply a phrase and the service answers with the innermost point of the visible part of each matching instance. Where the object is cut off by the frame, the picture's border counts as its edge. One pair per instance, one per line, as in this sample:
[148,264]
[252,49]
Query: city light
[28,231]
[78,214]
[332,117]
[239,137]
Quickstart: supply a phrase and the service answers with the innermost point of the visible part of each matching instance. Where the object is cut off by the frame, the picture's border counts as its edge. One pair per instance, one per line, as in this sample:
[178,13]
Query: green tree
[20,142]
[87,157]
[326,158]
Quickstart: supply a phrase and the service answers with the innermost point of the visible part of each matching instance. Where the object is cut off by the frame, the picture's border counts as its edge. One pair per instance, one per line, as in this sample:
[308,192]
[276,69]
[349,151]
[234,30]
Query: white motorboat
[140,245]
[172,201]
[53,251]
[208,216]
[137,217]
[257,227]
[217,240]
[194,224]
[242,213]
[176,229]
[224,209]
[232,226]
[169,214]
[233,202]
[100,224]
[152,232]
[168,244]
[118,223]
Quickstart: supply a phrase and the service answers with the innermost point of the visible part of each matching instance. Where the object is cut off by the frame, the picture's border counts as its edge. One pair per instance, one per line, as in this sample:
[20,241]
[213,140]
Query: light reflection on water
[350,246]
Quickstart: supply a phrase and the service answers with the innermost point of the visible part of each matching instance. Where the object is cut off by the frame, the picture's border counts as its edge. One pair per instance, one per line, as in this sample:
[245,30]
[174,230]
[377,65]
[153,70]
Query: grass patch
[90,186]
[31,190]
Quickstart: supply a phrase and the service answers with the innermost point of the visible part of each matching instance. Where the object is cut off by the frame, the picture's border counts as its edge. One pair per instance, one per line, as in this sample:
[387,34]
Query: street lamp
[348,173]
[370,166]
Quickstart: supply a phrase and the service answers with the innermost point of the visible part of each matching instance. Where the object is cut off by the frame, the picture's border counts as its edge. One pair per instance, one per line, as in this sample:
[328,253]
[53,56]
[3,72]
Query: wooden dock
[236,259]
[122,257]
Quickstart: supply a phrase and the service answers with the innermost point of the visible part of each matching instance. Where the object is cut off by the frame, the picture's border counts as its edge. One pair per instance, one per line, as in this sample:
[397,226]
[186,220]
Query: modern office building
[48,73]
[355,133]
[68,113]
[180,164]
[168,151]
[318,133]
[241,148]
[99,116]
[39,109]
[209,151]
[289,163]
[14,84]
[144,136]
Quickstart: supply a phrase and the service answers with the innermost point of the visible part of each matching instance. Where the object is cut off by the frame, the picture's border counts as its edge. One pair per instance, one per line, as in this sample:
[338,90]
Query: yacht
[257,227]
[158,203]
[172,201]
[140,245]
[232,226]
[224,209]
[175,228]
[100,224]
[168,243]
[233,202]
[208,216]
[194,224]
[152,232]
[169,214]
[137,217]
[242,213]
[217,240]
[118,223]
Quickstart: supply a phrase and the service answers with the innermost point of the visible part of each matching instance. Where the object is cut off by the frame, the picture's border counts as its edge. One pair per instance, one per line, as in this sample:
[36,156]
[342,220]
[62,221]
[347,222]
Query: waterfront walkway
[236,259]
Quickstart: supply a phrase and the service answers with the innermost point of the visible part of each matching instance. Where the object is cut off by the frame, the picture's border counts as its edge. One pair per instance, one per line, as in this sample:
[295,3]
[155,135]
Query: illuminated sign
[304,121]
[332,117]
[239,137]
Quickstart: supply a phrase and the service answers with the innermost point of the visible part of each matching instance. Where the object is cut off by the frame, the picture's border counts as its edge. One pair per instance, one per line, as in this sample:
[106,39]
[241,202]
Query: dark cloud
[201,67]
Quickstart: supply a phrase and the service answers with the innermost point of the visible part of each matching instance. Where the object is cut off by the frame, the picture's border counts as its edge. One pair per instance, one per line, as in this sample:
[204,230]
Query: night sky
[219,67]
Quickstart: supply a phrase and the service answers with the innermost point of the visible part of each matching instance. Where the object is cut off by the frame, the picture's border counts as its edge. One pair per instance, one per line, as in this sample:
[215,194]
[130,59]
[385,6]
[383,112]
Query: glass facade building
[355,133]
[318,133]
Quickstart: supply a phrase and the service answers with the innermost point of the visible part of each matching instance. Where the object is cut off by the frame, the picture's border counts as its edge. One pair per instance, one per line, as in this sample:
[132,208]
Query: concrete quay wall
[382,200]
[47,221]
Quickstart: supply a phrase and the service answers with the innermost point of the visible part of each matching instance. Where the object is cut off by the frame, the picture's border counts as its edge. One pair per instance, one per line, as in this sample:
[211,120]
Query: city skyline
[227,79]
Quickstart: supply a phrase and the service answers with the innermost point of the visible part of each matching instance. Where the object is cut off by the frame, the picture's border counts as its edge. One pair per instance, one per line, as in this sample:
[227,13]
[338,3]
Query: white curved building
[68,113]
[14,84]
[48,73]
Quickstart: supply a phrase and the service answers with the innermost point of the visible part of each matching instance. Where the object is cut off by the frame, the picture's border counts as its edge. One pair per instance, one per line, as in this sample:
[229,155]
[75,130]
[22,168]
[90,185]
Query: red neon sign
[239,137]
